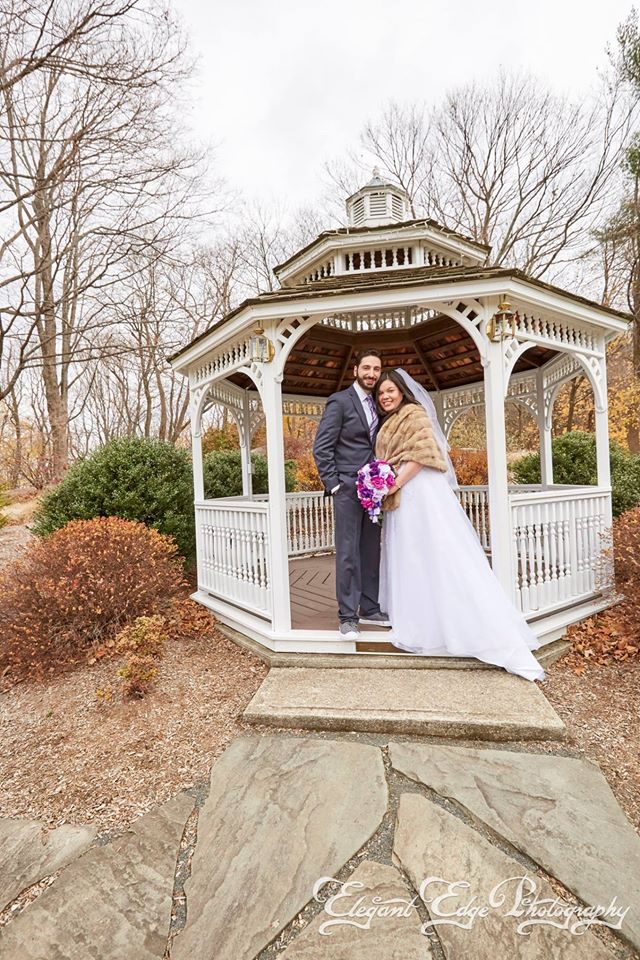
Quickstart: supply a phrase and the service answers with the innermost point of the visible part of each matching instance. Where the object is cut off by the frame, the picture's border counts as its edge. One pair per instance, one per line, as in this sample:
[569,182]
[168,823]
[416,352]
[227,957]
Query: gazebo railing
[233,552]
[309,522]
[556,536]
[557,545]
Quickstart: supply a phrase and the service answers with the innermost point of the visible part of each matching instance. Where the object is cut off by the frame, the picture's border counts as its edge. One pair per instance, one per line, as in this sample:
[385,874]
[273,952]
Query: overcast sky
[285,85]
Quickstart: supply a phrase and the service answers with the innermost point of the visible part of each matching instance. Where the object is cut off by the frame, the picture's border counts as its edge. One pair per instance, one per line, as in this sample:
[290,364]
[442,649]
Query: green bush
[136,479]
[223,474]
[149,481]
[574,462]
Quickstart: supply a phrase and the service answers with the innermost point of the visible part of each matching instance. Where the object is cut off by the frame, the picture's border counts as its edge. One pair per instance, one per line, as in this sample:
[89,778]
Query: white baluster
[517,585]
[553,554]
[523,561]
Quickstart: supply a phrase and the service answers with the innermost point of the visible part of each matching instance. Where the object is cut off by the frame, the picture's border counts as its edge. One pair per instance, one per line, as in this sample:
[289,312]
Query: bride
[435,581]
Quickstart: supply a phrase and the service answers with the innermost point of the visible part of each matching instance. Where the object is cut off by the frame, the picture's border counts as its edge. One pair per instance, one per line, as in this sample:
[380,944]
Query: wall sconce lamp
[503,323]
[262,349]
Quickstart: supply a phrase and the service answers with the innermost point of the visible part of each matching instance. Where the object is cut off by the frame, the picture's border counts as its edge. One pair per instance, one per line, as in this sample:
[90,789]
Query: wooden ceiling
[438,353]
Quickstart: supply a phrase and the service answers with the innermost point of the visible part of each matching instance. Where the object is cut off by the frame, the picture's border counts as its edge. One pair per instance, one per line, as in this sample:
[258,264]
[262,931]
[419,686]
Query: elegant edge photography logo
[450,903]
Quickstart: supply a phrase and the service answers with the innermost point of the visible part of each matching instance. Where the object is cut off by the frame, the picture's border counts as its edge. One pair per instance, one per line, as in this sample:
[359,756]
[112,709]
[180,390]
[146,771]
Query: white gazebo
[474,336]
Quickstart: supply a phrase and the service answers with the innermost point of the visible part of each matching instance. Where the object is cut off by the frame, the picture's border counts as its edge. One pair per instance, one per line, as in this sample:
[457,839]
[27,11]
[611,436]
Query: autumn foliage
[142,644]
[470,466]
[615,633]
[4,502]
[79,588]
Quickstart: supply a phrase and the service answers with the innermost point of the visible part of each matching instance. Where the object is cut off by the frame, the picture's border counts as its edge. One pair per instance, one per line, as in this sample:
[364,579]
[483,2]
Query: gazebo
[475,337]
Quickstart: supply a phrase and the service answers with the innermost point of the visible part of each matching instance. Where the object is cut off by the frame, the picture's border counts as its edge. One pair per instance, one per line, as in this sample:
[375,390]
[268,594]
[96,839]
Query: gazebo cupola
[380,237]
[377,204]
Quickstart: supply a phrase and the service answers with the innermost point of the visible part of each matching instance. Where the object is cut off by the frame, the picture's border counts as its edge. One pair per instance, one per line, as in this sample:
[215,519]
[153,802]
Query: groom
[344,442]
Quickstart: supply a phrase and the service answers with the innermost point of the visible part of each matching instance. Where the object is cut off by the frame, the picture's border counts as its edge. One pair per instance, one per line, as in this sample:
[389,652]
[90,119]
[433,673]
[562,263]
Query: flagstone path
[344,847]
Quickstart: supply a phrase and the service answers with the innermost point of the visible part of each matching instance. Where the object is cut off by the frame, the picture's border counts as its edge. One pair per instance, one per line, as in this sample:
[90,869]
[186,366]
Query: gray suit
[343,445]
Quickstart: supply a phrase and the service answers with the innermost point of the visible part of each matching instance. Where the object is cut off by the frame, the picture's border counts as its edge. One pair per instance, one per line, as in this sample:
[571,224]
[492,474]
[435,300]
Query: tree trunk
[56,398]
[573,394]
[16,467]
[633,439]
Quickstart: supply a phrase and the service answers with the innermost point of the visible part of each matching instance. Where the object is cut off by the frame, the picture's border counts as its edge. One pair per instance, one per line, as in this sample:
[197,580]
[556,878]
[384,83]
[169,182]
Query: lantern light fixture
[262,349]
[503,323]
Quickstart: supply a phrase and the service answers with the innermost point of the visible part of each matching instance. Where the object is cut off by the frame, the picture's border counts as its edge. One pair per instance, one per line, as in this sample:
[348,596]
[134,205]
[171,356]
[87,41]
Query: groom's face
[367,372]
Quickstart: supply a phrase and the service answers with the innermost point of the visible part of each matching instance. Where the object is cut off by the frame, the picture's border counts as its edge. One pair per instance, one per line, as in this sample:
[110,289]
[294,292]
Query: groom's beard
[367,384]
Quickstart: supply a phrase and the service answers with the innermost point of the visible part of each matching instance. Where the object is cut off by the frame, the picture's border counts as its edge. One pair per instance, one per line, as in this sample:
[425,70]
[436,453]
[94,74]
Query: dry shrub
[470,466]
[615,633]
[626,538]
[78,588]
[143,644]
[145,637]
[137,675]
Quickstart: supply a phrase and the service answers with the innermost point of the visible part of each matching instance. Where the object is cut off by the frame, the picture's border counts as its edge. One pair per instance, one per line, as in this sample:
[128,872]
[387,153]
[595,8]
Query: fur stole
[408,435]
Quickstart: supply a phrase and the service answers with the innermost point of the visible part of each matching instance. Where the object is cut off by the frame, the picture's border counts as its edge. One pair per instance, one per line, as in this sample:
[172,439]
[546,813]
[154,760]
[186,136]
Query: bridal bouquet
[375,479]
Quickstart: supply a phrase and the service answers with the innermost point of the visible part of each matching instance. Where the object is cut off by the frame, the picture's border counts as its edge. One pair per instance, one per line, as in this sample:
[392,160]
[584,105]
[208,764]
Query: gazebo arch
[473,336]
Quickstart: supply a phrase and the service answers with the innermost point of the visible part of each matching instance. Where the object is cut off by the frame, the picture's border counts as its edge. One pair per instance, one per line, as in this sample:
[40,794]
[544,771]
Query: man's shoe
[349,630]
[377,620]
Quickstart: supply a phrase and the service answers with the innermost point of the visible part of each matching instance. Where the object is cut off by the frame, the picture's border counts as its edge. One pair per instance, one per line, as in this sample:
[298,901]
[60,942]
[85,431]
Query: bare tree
[267,236]
[507,163]
[132,390]
[50,31]
[525,171]
[91,179]
[401,142]
[620,236]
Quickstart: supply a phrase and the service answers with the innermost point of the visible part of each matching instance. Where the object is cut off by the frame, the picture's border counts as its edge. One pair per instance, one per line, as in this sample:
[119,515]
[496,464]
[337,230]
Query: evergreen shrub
[574,462]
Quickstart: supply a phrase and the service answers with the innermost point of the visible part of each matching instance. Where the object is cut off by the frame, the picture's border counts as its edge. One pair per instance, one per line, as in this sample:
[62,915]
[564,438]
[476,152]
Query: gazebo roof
[437,351]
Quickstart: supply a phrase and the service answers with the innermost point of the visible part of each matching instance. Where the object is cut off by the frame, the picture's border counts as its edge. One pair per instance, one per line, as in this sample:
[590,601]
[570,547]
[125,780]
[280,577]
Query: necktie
[374,414]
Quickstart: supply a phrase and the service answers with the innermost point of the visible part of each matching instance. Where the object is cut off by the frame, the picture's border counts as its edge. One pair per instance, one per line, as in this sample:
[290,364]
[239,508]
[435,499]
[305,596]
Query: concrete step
[486,704]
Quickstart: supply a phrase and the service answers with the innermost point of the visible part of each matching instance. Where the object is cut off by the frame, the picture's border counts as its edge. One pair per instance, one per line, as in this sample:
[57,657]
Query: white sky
[285,85]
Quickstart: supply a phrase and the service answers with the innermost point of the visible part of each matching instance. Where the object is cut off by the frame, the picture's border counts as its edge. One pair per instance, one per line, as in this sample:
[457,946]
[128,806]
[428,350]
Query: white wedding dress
[438,587]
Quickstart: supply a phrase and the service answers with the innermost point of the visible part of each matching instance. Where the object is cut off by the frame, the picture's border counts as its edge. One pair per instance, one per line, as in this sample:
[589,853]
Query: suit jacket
[343,443]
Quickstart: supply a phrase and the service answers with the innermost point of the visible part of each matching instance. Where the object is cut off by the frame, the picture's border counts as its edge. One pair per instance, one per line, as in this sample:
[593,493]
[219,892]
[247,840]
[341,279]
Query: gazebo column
[546,452]
[196,444]
[198,475]
[245,447]
[271,391]
[603,461]
[438,403]
[499,508]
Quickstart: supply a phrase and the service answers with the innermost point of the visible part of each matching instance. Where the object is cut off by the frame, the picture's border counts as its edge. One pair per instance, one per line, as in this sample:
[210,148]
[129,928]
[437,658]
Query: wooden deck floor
[312,584]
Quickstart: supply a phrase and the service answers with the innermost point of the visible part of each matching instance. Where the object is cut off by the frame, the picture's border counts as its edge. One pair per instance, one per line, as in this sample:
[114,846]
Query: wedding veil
[425,401]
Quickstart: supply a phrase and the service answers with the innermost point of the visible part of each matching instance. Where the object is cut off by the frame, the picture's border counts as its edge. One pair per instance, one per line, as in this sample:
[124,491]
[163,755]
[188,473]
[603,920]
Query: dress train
[437,585]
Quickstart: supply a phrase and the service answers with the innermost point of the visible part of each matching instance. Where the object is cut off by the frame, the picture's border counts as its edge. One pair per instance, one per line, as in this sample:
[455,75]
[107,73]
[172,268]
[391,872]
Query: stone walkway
[344,847]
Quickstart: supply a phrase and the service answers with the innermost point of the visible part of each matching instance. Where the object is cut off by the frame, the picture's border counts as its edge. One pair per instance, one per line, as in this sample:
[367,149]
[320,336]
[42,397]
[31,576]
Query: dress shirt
[367,412]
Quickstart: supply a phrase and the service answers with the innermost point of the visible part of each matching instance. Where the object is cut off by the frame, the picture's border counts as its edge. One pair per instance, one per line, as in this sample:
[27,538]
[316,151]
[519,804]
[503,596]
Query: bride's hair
[394,376]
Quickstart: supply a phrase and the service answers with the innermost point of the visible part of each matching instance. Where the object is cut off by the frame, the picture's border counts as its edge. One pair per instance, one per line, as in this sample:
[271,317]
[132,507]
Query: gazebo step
[381,655]
[546,655]
[480,704]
